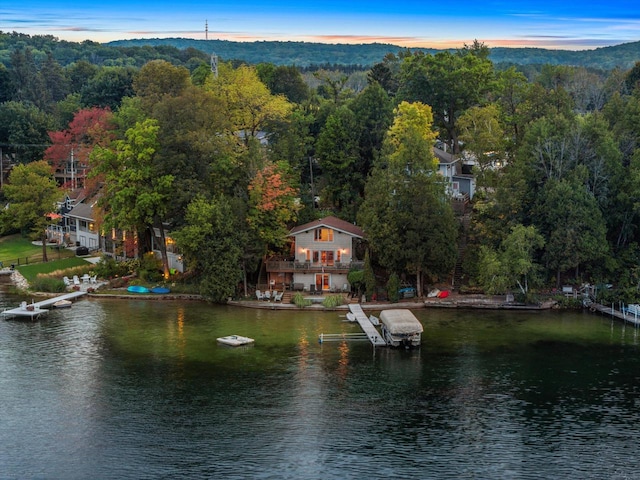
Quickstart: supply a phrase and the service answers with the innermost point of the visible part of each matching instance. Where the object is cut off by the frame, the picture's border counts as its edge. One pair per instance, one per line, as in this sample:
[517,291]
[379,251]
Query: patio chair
[278,297]
[76,280]
[66,281]
[267,295]
[94,279]
[312,289]
[259,295]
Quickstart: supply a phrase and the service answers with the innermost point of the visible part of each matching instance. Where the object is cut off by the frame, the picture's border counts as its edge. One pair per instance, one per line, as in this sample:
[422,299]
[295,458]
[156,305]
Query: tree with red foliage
[90,127]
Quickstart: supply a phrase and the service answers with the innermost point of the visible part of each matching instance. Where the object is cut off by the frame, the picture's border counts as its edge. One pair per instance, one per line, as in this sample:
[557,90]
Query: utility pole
[206,29]
[73,178]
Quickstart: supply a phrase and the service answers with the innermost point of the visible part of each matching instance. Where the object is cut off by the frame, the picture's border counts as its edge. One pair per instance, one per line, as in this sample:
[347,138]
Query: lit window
[324,235]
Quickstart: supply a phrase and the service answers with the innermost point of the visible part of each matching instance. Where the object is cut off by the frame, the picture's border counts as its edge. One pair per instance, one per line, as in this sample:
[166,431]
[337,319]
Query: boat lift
[369,330]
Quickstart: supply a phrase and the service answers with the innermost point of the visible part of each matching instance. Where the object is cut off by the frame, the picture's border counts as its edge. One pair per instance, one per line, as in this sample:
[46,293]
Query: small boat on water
[400,328]
[137,289]
[63,304]
[160,290]
[235,340]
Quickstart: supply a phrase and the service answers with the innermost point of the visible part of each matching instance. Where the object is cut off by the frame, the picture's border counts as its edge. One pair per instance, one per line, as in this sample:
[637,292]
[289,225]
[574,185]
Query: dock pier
[621,314]
[369,330]
[35,309]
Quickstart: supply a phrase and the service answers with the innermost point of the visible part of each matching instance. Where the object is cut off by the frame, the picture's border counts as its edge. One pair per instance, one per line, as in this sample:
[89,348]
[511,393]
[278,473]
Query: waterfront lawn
[17,246]
[30,272]
[17,249]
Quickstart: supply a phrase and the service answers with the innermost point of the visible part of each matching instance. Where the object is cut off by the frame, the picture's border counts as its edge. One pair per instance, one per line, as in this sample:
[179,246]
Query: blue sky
[542,23]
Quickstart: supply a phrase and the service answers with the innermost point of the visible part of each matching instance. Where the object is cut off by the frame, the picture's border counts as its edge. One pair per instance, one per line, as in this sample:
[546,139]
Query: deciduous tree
[31,194]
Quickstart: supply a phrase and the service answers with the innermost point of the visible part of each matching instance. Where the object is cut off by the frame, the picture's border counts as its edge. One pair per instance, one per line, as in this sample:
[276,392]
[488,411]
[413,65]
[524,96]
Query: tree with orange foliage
[273,204]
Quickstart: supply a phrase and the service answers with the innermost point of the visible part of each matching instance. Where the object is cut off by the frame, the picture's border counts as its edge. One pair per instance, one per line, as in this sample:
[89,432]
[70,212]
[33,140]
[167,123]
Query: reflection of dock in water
[369,331]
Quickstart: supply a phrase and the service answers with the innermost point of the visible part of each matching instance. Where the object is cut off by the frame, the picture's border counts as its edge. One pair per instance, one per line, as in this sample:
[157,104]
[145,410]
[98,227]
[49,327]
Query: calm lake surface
[140,389]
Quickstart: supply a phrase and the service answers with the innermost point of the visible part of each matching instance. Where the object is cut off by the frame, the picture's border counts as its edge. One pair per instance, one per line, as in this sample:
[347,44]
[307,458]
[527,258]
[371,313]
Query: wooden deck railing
[294,266]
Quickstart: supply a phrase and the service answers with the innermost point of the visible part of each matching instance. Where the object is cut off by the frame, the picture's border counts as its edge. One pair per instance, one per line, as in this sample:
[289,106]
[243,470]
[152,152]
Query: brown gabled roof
[330,222]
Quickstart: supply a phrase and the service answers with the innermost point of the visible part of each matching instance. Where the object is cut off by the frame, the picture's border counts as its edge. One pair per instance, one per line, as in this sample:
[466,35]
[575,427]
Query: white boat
[235,340]
[63,304]
[400,328]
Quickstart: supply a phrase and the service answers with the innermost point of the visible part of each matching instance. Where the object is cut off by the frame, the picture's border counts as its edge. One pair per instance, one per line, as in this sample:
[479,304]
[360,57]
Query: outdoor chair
[76,280]
[259,295]
[278,297]
[312,289]
[94,279]
[267,295]
[66,281]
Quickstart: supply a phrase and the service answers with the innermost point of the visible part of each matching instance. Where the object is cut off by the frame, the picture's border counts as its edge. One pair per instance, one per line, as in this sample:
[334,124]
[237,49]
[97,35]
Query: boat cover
[401,321]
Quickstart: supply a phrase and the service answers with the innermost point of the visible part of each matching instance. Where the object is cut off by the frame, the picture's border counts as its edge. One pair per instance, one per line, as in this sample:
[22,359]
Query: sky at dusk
[553,24]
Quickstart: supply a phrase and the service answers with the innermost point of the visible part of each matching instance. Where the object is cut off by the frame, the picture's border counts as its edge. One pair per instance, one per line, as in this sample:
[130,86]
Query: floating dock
[34,310]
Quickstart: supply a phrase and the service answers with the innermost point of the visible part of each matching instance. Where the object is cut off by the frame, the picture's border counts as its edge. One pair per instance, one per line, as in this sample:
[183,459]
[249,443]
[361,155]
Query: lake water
[140,389]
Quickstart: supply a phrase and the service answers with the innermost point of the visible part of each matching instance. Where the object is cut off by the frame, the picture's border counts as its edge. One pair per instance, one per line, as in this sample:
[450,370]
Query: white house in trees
[322,253]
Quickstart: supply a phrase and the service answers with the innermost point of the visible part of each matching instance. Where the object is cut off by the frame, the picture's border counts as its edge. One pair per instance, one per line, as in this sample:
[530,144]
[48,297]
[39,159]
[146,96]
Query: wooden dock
[35,309]
[367,327]
[619,314]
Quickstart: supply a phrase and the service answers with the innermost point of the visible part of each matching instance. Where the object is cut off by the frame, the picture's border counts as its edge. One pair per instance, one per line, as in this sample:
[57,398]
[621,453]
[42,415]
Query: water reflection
[141,390]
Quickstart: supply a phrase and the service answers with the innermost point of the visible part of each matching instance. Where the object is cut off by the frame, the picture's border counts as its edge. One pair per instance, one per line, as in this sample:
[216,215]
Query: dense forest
[190,52]
[303,54]
[229,160]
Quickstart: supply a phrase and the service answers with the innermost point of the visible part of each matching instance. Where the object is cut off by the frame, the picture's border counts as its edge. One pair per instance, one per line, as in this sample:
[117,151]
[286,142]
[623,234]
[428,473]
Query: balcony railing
[295,266]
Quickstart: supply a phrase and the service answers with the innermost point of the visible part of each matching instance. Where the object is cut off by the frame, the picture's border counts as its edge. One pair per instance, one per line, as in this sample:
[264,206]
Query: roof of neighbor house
[83,210]
[330,222]
[444,157]
[401,321]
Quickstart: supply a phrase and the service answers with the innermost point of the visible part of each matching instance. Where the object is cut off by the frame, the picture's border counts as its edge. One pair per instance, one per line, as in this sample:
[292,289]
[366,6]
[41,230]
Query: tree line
[227,163]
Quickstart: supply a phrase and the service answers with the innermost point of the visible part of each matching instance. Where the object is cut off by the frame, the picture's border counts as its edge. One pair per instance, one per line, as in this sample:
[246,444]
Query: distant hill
[304,54]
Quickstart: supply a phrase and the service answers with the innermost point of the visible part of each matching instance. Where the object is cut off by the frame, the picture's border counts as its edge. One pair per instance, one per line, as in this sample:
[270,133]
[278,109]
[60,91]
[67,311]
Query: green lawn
[30,272]
[15,249]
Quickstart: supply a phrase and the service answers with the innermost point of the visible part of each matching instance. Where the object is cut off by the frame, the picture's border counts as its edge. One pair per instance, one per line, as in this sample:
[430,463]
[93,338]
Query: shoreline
[454,300]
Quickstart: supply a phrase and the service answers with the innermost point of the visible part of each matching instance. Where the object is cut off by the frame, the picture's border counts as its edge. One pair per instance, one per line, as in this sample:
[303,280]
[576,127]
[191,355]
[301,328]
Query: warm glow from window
[323,235]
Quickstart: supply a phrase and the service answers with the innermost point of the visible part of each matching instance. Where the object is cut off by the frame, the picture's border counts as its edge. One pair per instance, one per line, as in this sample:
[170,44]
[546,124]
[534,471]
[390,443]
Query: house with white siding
[322,254]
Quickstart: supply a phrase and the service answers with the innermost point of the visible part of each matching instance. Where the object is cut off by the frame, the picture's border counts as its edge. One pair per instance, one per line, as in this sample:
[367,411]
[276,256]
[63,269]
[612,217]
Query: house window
[323,235]
[324,257]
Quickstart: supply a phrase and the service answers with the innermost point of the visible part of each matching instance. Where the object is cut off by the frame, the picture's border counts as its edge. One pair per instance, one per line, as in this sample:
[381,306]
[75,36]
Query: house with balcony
[322,253]
[82,227]
[77,226]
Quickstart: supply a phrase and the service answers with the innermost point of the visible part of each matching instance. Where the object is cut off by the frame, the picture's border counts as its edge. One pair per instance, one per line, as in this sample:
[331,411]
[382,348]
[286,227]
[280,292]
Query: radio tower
[206,29]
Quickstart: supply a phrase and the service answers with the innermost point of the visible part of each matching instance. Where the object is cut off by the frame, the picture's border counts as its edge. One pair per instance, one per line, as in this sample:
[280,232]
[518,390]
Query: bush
[333,301]
[299,301]
[107,267]
[393,287]
[150,268]
[48,284]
